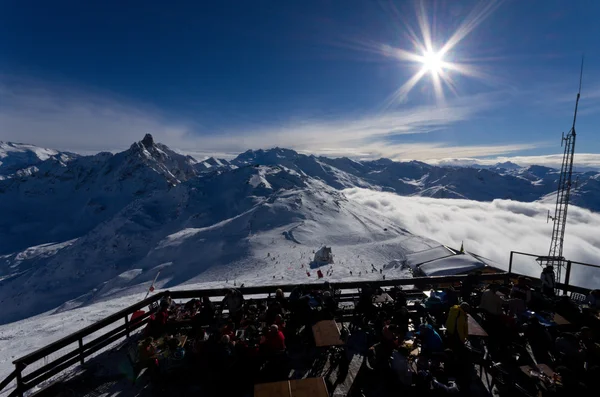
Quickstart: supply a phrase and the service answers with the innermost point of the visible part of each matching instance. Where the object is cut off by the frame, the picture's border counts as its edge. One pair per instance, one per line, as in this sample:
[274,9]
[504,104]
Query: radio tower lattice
[555,255]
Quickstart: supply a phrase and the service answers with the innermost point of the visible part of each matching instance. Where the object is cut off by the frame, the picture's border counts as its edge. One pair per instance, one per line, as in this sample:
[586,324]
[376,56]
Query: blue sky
[320,76]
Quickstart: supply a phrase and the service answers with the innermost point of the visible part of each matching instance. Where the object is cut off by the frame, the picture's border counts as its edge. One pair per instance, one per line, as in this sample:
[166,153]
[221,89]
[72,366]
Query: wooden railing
[46,371]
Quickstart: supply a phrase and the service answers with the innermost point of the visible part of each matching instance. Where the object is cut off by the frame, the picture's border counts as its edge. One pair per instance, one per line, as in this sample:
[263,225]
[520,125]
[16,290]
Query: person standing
[548,282]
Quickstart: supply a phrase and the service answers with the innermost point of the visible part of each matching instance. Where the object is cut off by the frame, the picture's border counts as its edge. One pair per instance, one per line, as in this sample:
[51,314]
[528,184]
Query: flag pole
[152,286]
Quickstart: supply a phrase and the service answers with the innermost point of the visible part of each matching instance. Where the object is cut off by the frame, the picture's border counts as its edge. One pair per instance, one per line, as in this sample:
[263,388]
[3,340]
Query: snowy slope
[240,224]
[15,157]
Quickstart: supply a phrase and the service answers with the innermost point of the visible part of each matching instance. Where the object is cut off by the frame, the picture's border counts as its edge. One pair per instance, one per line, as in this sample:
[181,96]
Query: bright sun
[432,62]
[438,63]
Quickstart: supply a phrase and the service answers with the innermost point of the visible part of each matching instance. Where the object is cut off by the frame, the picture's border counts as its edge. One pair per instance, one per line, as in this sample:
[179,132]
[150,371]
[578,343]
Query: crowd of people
[420,347]
[249,337]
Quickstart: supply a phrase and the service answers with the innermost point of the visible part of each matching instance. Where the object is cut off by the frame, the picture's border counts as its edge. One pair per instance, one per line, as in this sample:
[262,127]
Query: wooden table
[327,333]
[273,389]
[560,320]
[309,387]
[543,368]
[474,328]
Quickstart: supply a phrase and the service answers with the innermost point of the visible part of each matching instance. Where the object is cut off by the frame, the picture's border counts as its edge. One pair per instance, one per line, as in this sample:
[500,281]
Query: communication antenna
[555,254]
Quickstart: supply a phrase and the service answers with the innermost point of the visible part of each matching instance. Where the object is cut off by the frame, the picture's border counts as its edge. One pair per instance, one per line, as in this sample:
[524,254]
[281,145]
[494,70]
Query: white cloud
[493,229]
[69,119]
[86,122]
[582,160]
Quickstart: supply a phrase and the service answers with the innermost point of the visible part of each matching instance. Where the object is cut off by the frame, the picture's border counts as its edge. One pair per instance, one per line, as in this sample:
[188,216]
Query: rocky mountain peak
[148,140]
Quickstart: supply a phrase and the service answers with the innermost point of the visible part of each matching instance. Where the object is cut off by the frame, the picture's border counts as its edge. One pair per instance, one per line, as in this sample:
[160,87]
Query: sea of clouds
[493,229]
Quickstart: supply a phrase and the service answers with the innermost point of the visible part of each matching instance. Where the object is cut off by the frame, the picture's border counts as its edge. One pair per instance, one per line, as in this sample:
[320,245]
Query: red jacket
[161,317]
[275,341]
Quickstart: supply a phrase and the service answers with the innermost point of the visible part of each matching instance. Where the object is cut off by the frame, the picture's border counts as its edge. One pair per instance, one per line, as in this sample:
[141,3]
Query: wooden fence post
[127,325]
[19,368]
[567,277]
[81,350]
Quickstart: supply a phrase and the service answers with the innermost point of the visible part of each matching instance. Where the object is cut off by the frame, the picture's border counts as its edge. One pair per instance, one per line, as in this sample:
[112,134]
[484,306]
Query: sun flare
[432,62]
[439,64]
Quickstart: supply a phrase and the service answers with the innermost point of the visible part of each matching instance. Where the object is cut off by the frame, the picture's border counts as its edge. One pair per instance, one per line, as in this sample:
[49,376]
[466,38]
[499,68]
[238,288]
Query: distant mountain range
[74,229]
[48,196]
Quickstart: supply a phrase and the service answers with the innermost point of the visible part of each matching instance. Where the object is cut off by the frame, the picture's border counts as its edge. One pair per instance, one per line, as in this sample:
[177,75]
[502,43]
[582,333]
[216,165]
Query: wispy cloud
[492,229]
[582,160]
[71,119]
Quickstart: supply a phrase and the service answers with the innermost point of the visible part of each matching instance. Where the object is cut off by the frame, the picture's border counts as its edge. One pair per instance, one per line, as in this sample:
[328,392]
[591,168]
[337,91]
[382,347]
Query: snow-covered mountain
[22,159]
[243,224]
[502,181]
[79,231]
[211,164]
[64,200]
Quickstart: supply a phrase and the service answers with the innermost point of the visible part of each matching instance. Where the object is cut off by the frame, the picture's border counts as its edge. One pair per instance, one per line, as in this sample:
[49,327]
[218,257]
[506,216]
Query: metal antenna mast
[555,255]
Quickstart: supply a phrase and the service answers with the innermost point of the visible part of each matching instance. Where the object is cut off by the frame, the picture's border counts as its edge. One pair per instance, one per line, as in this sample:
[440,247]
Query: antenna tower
[555,255]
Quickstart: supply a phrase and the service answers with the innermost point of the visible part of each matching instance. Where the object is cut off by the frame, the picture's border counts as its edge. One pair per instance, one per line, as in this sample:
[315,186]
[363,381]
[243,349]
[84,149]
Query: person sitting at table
[147,350]
[273,310]
[206,315]
[157,325]
[490,302]
[571,386]
[431,342]
[521,290]
[168,300]
[451,297]
[567,347]
[539,339]
[588,347]
[329,306]
[399,297]
[401,367]
[229,330]
[280,323]
[191,307]
[457,324]
[273,341]
[401,319]
[389,336]
[198,343]
[224,353]
[147,356]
